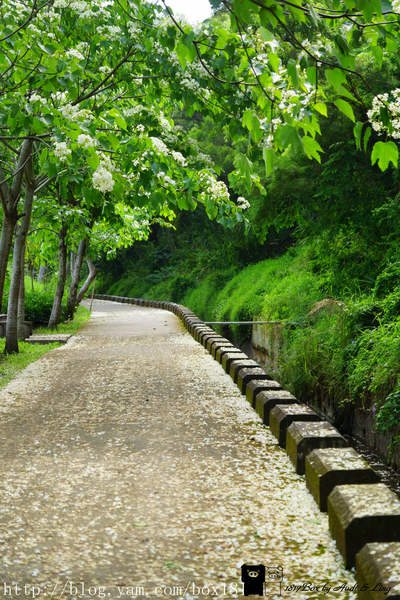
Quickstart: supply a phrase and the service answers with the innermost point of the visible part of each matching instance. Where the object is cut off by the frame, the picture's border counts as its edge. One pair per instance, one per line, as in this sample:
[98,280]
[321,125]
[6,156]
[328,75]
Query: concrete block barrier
[302,438]
[260,385]
[228,357]
[245,375]
[212,339]
[237,365]
[283,415]
[217,343]
[210,335]
[362,513]
[266,400]
[378,571]
[219,351]
[328,467]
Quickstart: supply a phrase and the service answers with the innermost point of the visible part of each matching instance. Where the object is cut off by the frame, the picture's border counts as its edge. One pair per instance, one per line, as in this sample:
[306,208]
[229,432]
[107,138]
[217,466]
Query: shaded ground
[131,466]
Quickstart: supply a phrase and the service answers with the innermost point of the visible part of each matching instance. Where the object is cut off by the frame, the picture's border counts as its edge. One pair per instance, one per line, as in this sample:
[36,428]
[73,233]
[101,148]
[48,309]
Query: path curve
[131,466]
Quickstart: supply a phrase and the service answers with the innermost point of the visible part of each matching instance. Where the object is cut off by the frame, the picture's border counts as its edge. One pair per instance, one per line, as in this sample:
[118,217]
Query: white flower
[102,179]
[75,54]
[390,104]
[214,189]
[139,129]
[36,98]
[165,124]
[396,6]
[132,28]
[105,69]
[72,113]
[60,4]
[159,145]
[61,150]
[180,159]
[243,203]
[86,140]
[59,97]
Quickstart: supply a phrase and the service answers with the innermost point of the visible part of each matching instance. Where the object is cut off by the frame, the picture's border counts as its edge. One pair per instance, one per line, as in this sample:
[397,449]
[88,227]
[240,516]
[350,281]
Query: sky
[194,10]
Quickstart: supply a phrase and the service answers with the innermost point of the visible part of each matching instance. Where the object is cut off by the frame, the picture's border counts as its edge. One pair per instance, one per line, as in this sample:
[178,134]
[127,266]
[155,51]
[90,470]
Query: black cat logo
[253,577]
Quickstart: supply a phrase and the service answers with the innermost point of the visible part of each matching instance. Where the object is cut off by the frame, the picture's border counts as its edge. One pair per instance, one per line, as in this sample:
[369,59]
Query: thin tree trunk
[7,232]
[21,299]
[72,260]
[73,290]
[42,273]
[10,195]
[88,282]
[32,276]
[18,261]
[62,276]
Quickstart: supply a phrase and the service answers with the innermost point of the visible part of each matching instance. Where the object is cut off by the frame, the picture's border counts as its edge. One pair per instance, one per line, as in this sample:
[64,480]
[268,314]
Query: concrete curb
[306,436]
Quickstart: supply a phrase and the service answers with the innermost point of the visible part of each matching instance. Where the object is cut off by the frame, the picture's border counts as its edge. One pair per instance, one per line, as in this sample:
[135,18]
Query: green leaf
[337,79]
[357,130]
[183,54]
[346,109]
[268,155]
[321,108]
[311,148]
[367,135]
[274,61]
[266,35]
[385,153]
[252,122]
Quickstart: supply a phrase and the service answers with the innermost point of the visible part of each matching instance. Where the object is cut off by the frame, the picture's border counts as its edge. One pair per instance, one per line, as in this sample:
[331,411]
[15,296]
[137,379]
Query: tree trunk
[73,290]
[62,276]
[9,195]
[18,261]
[7,232]
[72,259]
[42,273]
[21,299]
[88,282]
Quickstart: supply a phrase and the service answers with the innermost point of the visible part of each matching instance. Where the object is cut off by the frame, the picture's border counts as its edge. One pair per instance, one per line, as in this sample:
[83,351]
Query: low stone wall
[364,515]
[266,349]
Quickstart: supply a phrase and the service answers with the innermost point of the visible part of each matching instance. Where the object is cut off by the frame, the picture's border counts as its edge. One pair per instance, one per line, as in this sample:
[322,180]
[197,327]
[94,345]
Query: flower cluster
[159,145]
[111,31]
[74,53]
[132,29]
[139,129]
[214,189]
[61,150]
[59,97]
[73,113]
[396,6]
[385,113]
[243,203]
[165,124]
[102,179]
[179,158]
[37,98]
[86,140]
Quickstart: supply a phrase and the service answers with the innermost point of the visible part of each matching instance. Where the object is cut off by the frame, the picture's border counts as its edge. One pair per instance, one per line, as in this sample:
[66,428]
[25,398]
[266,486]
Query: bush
[38,305]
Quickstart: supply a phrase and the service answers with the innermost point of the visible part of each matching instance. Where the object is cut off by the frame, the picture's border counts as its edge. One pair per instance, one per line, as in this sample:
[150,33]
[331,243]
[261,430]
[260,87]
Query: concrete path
[131,466]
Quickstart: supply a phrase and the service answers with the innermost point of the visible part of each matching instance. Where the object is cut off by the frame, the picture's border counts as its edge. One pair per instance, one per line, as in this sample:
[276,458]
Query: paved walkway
[131,466]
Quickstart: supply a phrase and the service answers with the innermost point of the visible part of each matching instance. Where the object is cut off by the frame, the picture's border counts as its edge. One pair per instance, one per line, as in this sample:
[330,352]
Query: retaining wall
[364,515]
